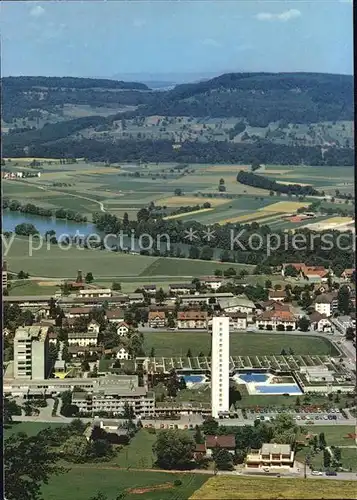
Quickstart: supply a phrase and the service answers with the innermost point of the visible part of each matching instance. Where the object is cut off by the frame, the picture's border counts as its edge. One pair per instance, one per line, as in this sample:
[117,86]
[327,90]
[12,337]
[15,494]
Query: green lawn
[177,343]
[30,428]
[81,483]
[334,434]
[31,288]
[186,267]
[138,454]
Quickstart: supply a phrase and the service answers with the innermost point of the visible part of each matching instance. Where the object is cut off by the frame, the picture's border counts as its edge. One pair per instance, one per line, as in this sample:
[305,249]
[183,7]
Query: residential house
[93,326]
[135,298]
[224,442]
[52,337]
[319,322]
[277,295]
[181,288]
[123,329]
[276,320]
[342,323]
[238,320]
[212,282]
[121,353]
[82,338]
[326,303]
[78,351]
[149,289]
[115,315]
[347,274]
[271,455]
[199,451]
[191,319]
[311,273]
[157,319]
[4,275]
[78,312]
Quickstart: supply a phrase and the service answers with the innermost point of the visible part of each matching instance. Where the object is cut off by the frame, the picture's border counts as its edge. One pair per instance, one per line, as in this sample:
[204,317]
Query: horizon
[232,37]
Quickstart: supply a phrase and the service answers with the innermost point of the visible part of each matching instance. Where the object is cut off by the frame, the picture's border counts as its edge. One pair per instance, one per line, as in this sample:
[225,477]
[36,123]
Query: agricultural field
[54,262]
[92,187]
[30,428]
[266,488]
[241,344]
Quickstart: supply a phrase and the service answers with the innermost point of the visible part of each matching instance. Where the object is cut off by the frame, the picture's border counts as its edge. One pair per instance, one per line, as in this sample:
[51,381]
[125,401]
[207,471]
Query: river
[63,227]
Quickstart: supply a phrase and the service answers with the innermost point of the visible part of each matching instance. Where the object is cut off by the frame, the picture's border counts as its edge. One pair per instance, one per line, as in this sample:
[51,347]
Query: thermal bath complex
[267,383]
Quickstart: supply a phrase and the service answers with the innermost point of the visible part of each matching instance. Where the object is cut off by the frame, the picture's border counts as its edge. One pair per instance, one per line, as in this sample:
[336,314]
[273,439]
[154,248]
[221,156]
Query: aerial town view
[178,250]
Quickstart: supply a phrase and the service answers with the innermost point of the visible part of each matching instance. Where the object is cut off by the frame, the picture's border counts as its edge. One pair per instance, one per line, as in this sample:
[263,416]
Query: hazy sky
[104,38]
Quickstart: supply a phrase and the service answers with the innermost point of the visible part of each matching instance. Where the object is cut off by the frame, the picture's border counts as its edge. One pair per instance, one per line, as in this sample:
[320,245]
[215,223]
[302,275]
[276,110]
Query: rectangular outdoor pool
[278,389]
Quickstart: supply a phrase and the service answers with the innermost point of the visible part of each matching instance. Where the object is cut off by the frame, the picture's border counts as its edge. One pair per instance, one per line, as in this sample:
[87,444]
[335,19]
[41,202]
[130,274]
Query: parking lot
[307,414]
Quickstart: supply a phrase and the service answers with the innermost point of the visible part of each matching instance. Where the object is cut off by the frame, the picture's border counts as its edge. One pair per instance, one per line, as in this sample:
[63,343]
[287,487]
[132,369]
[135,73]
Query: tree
[343,297]
[322,440]
[327,459]
[189,353]
[178,192]
[198,436]
[350,334]
[303,324]
[76,449]
[210,426]
[174,449]
[116,286]
[28,464]
[128,412]
[223,459]
[160,296]
[194,252]
[89,278]
[152,352]
[10,409]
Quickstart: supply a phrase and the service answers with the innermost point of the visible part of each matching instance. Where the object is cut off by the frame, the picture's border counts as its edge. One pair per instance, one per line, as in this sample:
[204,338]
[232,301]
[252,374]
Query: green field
[138,454]
[61,263]
[31,288]
[30,428]
[266,488]
[335,435]
[241,344]
[81,483]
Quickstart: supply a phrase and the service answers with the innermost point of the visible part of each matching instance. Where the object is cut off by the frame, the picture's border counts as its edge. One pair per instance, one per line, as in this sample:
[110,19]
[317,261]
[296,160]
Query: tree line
[259,181]
[30,208]
[55,141]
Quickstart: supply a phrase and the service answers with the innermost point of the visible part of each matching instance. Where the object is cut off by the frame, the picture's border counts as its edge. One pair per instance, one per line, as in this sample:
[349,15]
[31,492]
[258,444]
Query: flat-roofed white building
[220,365]
[271,455]
[95,292]
[83,338]
[31,353]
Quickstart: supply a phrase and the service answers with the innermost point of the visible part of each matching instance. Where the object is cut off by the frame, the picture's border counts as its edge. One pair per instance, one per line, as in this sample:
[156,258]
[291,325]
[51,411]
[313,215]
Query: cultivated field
[83,187]
[265,488]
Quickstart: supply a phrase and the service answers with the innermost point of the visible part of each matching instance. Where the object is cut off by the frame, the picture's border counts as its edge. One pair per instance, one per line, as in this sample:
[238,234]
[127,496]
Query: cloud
[139,23]
[283,16]
[37,11]
[211,42]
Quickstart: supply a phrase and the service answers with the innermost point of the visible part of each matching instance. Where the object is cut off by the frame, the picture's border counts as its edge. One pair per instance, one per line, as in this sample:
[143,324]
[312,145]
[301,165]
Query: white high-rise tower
[220,365]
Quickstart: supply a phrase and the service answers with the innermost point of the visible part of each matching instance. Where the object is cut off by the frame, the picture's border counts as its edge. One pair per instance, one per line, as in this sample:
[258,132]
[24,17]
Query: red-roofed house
[276,320]
[157,319]
[227,442]
[122,329]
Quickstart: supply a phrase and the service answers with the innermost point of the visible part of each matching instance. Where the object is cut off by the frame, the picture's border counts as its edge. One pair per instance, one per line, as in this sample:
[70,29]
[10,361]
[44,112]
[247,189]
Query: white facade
[122,353]
[122,329]
[220,365]
[324,308]
[31,353]
[95,292]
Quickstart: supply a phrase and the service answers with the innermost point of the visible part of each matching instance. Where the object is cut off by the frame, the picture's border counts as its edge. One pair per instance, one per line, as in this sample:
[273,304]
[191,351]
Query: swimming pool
[253,377]
[278,389]
[194,379]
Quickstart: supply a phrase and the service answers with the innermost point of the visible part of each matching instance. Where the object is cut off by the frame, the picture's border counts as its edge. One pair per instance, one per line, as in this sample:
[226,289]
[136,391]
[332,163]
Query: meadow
[241,344]
[266,488]
[55,262]
[127,188]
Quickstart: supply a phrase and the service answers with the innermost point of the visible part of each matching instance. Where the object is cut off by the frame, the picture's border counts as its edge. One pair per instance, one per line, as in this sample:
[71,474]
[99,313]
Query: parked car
[331,473]
[316,473]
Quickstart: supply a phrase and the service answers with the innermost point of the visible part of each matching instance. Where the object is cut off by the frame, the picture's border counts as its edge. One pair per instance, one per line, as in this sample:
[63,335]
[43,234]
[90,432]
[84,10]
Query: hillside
[274,118]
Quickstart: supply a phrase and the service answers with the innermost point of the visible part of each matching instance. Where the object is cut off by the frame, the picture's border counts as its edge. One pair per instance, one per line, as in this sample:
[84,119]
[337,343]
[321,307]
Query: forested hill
[261,98]
[67,82]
